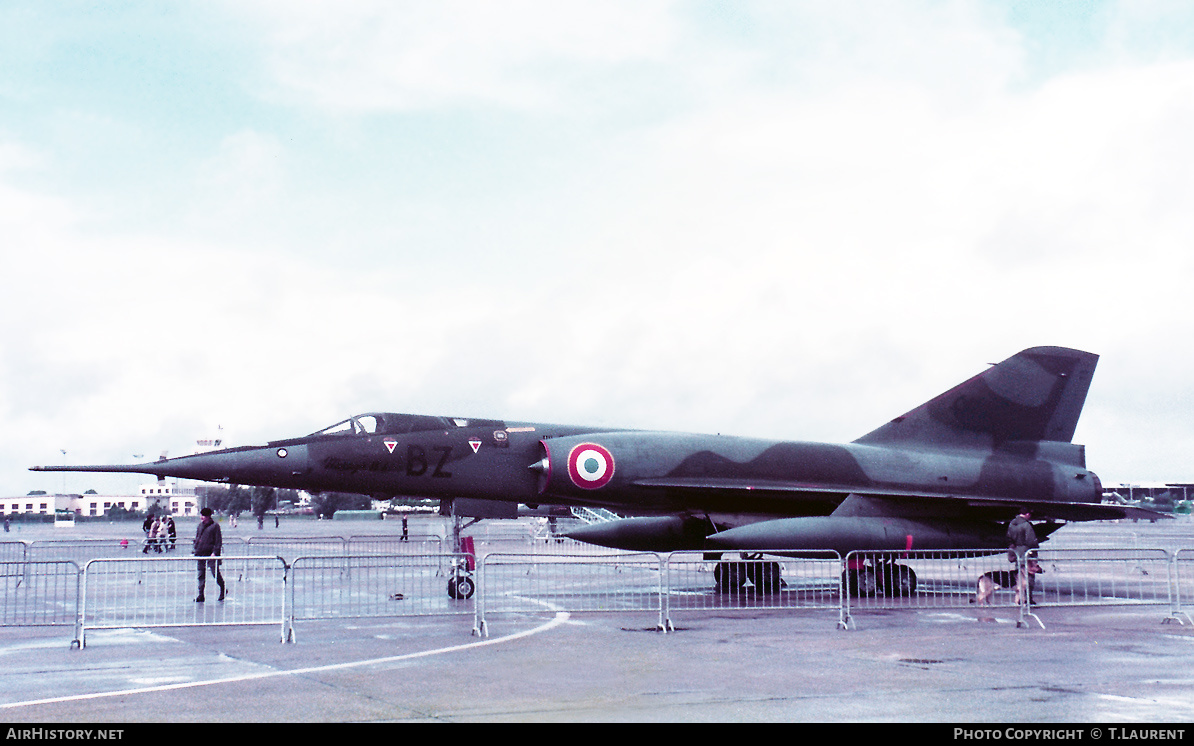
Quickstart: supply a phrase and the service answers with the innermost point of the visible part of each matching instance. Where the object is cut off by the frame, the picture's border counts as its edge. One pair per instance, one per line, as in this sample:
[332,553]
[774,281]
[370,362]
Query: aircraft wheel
[899,581]
[904,581]
[729,576]
[766,577]
[461,587]
[860,583]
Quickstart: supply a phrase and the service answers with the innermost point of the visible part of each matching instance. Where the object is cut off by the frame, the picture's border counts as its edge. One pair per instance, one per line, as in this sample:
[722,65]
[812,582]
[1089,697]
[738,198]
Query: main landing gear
[879,577]
[752,575]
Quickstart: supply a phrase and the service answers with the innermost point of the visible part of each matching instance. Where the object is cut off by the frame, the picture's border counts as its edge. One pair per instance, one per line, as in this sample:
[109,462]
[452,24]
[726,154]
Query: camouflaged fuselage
[954,469]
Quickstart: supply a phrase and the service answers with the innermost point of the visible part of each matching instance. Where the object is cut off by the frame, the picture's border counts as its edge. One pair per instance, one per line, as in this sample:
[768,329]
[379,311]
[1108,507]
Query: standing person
[1021,538]
[171,531]
[208,543]
[404,528]
[151,537]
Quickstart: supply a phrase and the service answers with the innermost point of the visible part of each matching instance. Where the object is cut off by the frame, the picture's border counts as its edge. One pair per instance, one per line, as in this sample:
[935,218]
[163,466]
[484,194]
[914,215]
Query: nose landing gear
[460,585]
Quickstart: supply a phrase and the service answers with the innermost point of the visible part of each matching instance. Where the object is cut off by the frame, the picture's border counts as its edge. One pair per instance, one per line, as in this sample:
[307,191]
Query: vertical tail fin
[1034,395]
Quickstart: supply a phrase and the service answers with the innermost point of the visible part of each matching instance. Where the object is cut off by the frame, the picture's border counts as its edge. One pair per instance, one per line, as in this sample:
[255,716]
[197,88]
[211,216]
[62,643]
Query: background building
[165,498]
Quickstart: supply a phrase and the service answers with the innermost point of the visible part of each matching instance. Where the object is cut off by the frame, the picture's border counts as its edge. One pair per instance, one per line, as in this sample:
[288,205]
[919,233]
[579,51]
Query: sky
[783,219]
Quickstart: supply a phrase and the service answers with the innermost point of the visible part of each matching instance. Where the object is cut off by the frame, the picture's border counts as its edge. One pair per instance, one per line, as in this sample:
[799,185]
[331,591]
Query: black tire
[860,583]
[767,577]
[729,576]
[899,581]
[461,587]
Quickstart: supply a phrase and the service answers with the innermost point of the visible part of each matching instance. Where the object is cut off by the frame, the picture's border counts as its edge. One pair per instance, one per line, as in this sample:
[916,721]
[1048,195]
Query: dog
[989,582]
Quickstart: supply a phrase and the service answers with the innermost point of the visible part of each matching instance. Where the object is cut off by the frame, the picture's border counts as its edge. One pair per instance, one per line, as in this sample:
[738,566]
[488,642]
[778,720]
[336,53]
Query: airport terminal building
[167,497]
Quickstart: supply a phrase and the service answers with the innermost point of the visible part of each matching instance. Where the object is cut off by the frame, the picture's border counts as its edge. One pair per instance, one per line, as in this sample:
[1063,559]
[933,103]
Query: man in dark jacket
[1021,537]
[208,543]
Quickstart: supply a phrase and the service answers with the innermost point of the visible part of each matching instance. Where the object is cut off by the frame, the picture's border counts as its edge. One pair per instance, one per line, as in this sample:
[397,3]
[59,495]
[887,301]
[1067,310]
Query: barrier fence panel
[763,581]
[13,551]
[39,593]
[1073,577]
[521,583]
[391,544]
[348,586]
[160,592]
[1183,585]
[928,579]
[291,547]
[81,550]
[557,545]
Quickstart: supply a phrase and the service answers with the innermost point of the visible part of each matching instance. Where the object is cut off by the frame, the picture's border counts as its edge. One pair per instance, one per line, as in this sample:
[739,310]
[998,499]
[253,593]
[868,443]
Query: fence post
[77,642]
[25,563]
[844,622]
[1024,582]
[665,600]
[479,627]
[1175,592]
[664,590]
[287,602]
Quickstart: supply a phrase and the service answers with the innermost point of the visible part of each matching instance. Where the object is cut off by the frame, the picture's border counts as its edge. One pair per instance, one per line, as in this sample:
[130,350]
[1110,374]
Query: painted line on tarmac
[560,618]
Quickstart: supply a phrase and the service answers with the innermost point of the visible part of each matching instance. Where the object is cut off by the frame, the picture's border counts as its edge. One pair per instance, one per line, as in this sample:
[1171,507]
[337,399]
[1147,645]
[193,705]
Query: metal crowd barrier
[160,592]
[926,579]
[291,546]
[1183,585]
[986,578]
[1102,577]
[522,583]
[309,546]
[353,586]
[82,550]
[39,594]
[13,551]
[659,584]
[562,546]
[391,544]
[760,581]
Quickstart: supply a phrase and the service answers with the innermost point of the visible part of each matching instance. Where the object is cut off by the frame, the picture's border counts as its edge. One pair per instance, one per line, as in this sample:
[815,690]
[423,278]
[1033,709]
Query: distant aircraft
[949,474]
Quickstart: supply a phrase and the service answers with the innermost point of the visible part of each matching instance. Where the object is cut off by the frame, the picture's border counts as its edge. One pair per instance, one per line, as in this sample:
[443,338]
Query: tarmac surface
[1118,665]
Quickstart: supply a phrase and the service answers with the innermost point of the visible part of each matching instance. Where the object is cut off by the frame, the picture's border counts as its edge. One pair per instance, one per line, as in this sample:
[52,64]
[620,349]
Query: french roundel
[590,466]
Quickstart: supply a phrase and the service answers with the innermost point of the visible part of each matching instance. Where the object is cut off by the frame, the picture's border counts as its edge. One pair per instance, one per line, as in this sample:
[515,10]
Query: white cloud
[412,55]
[245,176]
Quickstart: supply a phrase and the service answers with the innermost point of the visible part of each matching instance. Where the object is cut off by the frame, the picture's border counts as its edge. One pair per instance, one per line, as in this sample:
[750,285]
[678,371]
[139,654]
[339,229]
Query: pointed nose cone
[274,466]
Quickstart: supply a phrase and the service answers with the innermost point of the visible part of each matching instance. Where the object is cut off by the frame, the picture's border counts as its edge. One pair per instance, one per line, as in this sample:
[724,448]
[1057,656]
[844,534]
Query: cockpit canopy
[388,423]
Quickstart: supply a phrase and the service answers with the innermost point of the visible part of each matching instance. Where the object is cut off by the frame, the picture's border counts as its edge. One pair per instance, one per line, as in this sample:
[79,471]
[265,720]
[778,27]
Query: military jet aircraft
[949,474]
